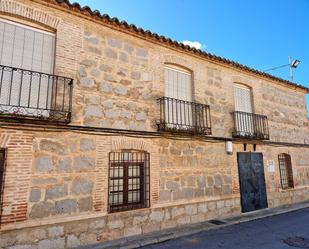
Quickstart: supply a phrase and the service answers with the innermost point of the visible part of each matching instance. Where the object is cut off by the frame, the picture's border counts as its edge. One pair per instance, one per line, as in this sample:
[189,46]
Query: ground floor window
[2,166]
[286,172]
[128,180]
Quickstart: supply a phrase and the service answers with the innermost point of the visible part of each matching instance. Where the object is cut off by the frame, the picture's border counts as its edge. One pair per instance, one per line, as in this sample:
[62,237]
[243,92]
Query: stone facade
[56,183]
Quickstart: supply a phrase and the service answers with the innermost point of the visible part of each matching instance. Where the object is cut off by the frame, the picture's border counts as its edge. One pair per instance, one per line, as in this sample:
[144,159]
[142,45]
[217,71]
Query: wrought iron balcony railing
[184,117]
[26,94]
[250,125]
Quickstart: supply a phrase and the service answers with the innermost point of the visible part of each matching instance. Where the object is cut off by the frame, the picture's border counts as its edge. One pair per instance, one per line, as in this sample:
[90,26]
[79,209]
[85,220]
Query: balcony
[35,96]
[250,126]
[179,116]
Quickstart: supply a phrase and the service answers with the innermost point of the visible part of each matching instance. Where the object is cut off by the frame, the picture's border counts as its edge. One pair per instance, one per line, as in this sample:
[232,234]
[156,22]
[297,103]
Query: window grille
[286,172]
[128,180]
[2,171]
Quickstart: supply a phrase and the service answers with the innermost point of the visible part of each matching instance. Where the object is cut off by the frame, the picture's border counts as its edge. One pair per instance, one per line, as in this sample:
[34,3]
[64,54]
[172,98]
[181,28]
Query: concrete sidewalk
[168,234]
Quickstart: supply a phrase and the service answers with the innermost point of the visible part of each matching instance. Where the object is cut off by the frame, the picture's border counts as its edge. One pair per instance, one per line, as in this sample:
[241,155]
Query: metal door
[252,181]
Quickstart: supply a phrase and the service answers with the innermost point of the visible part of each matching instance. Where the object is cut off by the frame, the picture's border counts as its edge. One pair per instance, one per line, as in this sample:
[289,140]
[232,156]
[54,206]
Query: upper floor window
[28,88]
[128,180]
[286,172]
[25,47]
[178,112]
[178,83]
[243,98]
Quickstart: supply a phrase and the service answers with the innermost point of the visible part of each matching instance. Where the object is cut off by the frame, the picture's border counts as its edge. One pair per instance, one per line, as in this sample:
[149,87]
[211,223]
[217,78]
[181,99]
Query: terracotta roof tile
[123,24]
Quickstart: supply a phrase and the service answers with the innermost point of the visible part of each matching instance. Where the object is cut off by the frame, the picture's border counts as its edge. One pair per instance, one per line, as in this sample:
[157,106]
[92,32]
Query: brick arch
[179,61]
[130,143]
[13,8]
[140,144]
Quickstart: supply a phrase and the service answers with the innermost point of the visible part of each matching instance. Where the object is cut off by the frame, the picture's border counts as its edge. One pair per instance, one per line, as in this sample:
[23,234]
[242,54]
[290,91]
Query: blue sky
[260,34]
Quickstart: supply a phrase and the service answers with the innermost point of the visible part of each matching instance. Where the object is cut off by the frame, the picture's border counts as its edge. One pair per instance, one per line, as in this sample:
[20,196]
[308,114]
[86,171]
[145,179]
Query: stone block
[57,191]
[88,63]
[72,241]
[122,90]
[52,244]
[98,224]
[87,144]
[157,216]
[173,185]
[112,114]
[23,247]
[115,224]
[140,219]
[202,207]
[177,211]
[82,186]
[110,53]
[106,87]
[128,48]
[66,206]
[93,111]
[132,230]
[108,104]
[191,209]
[85,204]
[115,43]
[141,52]
[35,195]
[201,181]
[165,195]
[141,116]
[82,72]
[87,82]
[41,210]
[175,151]
[92,40]
[135,75]
[105,68]
[210,181]
[95,72]
[53,147]
[87,238]
[123,57]
[65,165]
[56,231]
[30,236]
[84,163]
[44,164]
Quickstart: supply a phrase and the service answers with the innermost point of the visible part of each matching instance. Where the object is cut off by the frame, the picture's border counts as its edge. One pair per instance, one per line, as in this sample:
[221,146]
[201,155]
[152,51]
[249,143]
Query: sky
[261,34]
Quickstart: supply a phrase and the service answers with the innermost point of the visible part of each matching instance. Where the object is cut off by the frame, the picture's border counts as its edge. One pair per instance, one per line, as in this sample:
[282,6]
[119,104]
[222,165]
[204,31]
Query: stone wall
[118,78]
[56,182]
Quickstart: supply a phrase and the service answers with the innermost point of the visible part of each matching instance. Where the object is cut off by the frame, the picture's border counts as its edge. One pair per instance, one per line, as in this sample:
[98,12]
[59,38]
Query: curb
[186,230]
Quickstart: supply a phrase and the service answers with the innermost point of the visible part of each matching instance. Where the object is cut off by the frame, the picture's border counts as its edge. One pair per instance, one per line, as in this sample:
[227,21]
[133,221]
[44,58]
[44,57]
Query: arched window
[26,64]
[178,82]
[128,180]
[286,172]
[243,98]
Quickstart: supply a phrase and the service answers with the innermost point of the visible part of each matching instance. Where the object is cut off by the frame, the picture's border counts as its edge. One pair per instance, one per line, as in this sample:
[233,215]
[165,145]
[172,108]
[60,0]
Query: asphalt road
[266,233]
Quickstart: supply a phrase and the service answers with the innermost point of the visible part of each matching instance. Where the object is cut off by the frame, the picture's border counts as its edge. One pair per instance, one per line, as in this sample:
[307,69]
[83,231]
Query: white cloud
[194,44]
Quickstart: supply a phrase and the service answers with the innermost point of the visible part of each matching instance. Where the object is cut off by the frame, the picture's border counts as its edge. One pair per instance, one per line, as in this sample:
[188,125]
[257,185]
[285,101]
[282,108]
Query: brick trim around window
[129,179]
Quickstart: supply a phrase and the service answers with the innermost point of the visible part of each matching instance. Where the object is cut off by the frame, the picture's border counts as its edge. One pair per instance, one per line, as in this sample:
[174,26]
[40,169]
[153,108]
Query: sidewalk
[168,234]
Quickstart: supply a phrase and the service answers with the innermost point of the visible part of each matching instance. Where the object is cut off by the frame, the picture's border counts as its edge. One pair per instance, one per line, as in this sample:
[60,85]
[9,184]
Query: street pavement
[265,233]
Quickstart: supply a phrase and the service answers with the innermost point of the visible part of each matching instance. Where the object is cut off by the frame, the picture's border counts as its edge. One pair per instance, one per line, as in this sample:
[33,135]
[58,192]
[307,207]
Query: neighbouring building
[108,130]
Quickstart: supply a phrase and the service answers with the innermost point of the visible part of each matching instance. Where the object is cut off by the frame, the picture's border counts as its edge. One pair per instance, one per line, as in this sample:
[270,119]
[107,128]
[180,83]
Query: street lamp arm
[274,68]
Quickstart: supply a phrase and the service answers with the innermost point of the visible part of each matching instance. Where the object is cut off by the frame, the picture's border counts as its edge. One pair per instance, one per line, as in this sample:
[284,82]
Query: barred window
[128,180]
[2,170]
[286,173]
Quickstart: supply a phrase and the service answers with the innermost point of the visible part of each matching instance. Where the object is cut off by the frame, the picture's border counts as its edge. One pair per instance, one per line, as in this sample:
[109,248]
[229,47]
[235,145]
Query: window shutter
[243,101]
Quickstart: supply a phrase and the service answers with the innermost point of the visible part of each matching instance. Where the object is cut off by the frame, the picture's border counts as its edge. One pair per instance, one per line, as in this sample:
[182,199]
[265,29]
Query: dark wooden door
[252,181]
[2,163]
